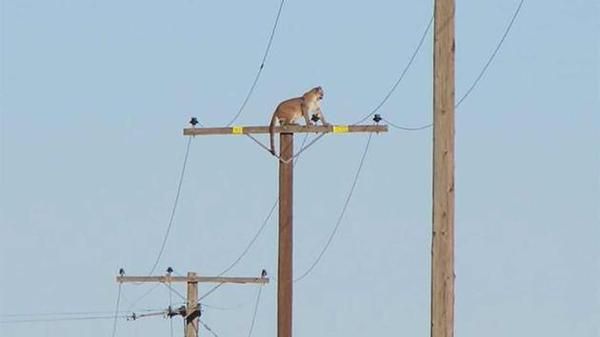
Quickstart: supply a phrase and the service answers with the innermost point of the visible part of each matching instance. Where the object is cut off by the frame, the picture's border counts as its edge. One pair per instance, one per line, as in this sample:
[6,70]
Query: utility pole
[286,181]
[191,307]
[191,312]
[286,236]
[442,245]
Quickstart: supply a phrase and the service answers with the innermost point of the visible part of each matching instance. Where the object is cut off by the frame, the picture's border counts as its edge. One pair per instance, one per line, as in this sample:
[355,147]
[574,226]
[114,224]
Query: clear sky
[94,95]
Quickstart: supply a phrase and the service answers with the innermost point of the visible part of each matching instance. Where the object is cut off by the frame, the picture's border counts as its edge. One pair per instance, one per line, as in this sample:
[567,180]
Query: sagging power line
[261,67]
[174,208]
[195,121]
[477,79]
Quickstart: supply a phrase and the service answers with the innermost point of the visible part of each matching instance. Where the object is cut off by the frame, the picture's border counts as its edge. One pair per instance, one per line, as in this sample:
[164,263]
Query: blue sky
[94,97]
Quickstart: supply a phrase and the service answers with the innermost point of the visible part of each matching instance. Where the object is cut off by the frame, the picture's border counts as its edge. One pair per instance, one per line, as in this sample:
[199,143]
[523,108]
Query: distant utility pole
[286,181]
[191,312]
[442,250]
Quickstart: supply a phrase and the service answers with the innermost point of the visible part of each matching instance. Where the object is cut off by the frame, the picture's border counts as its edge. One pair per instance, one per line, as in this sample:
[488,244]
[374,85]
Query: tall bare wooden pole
[286,234]
[191,319]
[442,251]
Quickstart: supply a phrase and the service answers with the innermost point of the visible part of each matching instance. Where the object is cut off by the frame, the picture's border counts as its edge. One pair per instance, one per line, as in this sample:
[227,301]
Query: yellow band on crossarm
[340,128]
[237,130]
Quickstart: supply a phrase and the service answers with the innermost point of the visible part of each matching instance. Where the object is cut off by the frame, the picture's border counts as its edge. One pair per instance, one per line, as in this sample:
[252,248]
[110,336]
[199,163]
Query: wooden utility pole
[191,306]
[286,235]
[285,274]
[442,250]
[192,309]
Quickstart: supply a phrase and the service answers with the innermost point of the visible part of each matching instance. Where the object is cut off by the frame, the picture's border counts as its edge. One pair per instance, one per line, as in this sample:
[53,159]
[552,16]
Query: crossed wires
[330,239]
[379,105]
[331,236]
[175,203]
[405,128]
[382,102]
[164,241]
[256,303]
[163,245]
[243,105]
[174,291]
[307,272]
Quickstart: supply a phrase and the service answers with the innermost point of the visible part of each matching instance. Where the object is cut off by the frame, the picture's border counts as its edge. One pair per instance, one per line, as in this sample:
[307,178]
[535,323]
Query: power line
[402,74]
[60,319]
[407,128]
[144,295]
[275,204]
[256,235]
[56,316]
[489,61]
[255,310]
[341,216]
[331,235]
[479,76]
[260,229]
[171,289]
[166,236]
[405,70]
[216,307]
[262,65]
[114,331]
[211,291]
[264,224]
[207,328]
[67,313]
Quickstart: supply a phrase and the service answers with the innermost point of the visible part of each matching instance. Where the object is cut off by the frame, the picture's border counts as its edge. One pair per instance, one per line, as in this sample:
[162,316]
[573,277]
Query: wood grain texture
[442,250]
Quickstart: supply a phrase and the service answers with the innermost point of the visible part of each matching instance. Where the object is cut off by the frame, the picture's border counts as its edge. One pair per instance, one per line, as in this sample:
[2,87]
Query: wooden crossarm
[239,130]
[199,279]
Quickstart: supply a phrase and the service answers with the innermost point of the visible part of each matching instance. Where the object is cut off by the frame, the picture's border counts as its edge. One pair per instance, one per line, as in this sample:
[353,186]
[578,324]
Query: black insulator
[377,118]
[169,270]
[315,118]
[193,315]
[121,271]
[194,121]
[263,273]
